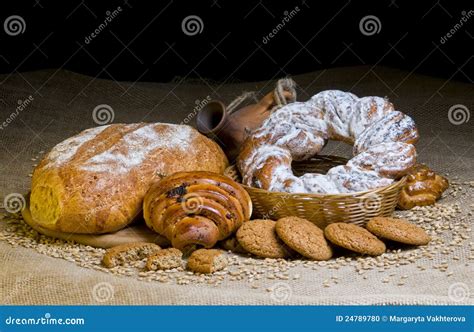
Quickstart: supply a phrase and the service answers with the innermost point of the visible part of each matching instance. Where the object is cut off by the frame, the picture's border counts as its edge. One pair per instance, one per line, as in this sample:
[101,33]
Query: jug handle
[271,99]
[281,95]
[233,106]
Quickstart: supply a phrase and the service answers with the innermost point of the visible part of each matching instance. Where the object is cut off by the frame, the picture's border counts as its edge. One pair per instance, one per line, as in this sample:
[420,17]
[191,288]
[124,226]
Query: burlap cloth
[63,103]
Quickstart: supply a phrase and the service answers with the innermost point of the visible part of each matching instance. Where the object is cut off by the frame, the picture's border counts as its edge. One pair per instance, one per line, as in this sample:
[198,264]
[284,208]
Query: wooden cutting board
[137,232]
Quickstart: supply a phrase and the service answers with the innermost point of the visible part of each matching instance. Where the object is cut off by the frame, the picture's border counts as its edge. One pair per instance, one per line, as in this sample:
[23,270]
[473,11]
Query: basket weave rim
[391,186]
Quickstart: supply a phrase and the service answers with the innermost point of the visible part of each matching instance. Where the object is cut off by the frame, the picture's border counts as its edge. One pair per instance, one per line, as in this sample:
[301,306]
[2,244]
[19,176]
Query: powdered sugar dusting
[297,127]
[258,159]
[338,107]
[393,127]
[417,186]
[319,183]
[389,158]
[349,179]
[367,111]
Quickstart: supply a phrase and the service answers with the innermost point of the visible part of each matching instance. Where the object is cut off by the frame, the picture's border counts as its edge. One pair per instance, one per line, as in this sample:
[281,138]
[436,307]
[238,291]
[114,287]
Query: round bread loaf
[95,182]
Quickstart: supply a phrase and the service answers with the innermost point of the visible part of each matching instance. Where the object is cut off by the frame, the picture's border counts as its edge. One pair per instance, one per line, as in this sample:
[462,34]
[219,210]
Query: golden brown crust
[95,182]
[207,261]
[126,253]
[304,237]
[354,238]
[398,230]
[165,259]
[259,237]
[423,187]
[192,231]
[196,208]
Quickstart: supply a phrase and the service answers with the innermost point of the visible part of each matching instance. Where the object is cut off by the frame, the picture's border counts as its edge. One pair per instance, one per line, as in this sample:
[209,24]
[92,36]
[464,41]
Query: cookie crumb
[165,259]
[129,252]
[207,261]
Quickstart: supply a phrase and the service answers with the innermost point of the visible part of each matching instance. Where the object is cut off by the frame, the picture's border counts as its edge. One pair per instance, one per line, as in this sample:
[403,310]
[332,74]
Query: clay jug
[228,127]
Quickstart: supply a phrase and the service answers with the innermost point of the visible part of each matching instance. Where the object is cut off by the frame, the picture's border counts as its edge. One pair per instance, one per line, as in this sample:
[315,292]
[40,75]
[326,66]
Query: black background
[145,41]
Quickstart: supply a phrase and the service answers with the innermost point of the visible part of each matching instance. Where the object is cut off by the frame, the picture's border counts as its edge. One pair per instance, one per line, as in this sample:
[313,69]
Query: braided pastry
[383,141]
[196,208]
[423,187]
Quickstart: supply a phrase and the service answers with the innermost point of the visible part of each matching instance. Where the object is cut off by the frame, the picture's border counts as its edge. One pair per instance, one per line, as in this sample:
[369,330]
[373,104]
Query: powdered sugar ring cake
[383,141]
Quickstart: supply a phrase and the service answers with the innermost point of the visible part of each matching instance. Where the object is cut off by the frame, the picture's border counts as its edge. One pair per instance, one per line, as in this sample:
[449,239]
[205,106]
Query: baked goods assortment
[196,208]
[423,187]
[104,178]
[383,141]
[95,182]
[286,238]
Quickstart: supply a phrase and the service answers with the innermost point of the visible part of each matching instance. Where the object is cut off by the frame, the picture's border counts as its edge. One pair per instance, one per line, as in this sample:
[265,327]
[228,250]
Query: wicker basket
[322,209]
